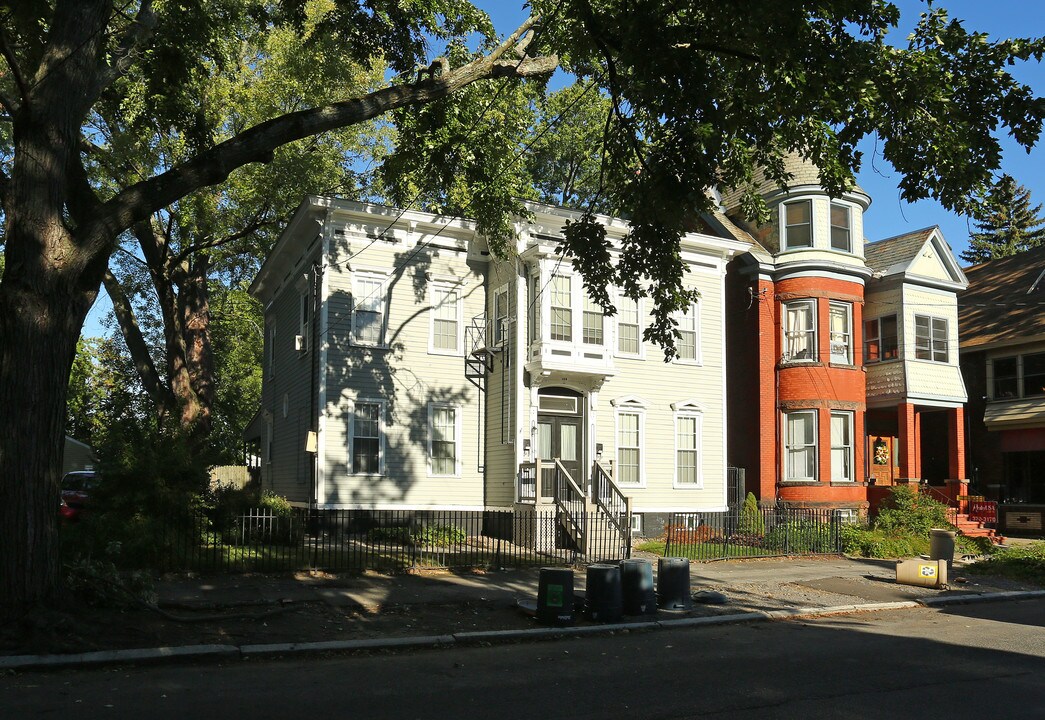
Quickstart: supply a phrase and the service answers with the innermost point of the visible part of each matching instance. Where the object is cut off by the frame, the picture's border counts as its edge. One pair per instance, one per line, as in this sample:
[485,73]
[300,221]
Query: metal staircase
[478,360]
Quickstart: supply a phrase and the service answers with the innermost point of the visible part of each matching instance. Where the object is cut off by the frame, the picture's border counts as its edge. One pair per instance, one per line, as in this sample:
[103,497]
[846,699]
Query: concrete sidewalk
[392,609]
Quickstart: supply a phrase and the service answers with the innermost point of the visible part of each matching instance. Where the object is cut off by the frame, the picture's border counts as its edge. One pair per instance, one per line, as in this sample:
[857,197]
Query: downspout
[313,416]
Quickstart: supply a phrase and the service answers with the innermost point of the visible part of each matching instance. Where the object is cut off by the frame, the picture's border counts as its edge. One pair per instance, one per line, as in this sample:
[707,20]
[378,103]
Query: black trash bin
[673,583]
[555,596]
[636,577]
[602,596]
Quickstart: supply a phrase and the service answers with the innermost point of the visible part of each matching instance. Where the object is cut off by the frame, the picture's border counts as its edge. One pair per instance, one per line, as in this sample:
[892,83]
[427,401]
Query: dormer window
[798,224]
[841,233]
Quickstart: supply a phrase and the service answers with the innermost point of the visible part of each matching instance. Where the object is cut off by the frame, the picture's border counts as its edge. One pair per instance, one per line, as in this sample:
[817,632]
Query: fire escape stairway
[478,361]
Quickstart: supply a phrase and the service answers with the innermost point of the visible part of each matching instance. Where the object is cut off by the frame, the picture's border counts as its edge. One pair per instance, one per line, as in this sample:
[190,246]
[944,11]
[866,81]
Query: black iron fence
[261,540]
[762,532]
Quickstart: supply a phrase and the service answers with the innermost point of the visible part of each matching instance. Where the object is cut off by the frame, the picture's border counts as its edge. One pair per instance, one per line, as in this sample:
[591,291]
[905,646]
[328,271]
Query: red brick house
[842,355]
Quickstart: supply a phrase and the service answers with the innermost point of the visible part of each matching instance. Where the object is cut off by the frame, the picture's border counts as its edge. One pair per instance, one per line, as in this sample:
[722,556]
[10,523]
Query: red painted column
[908,440]
[956,443]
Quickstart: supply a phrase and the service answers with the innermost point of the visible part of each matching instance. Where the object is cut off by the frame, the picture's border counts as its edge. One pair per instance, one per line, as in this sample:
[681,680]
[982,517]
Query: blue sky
[888,215]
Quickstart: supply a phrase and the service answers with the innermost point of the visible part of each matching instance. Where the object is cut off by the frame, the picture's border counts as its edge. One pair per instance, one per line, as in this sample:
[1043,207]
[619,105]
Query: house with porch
[843,353]
[1003,359]
[406,367]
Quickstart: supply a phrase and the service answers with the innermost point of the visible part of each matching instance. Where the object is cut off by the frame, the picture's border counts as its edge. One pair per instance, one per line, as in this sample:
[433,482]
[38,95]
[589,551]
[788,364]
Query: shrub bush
[418,535]
[907,510]
[752,521]
[802,536]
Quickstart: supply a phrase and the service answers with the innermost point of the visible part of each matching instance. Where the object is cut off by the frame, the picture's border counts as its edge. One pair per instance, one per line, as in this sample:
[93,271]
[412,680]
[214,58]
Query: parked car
[76,491]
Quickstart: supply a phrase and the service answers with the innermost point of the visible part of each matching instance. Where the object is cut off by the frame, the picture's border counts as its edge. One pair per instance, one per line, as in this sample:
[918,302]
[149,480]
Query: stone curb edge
[161,654]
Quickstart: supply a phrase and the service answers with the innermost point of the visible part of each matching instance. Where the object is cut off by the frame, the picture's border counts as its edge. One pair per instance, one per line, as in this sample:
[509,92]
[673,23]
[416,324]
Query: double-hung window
[687,448]
[688,344]
[562,308]
[592,332]
[444,440]
[930,338]
[840,319]
[800,445]
[880,339]
[629,329]
[841,229]
[446,320]
[368,299]
[500,317]
[841,447]
[366,438]
[629,446]
[798,224]
[1018,376]
[800,330]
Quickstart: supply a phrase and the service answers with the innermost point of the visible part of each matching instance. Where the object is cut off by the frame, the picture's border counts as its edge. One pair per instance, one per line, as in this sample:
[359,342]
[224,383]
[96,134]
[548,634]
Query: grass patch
[1022,562]
[651,546]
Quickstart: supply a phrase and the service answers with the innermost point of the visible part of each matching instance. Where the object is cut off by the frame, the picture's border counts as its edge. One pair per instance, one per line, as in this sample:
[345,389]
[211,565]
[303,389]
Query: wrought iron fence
[765,532]
[259,540]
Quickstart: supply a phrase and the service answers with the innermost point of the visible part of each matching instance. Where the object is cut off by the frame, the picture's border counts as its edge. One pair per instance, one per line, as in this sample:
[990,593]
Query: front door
[559,435]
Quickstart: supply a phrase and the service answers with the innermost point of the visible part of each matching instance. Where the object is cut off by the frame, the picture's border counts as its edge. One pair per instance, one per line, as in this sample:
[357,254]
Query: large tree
[161,286]
[701,93]
[1010,225]
[66,58]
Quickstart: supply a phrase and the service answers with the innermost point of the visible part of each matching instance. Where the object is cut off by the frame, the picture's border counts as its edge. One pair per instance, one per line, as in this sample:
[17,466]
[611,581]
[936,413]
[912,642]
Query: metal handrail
[607,495]
[935,494]
[565,485]
[526,485]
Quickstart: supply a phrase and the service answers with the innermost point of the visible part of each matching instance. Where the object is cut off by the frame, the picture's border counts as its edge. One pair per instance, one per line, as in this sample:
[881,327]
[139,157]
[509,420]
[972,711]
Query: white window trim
[783,225]
[698,353]
[696,412]
[498,335]
[382,409]
[573,307]
[640,310]
[932,352]
[848,307]
[815,340]
[457,438]
[458,348]
[831,226]
[630,407]
[787,444]
[848,448]
[383,312]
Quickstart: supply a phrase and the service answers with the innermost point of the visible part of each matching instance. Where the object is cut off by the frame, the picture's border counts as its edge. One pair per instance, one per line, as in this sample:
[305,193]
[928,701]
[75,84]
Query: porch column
[956,443]
[908,429]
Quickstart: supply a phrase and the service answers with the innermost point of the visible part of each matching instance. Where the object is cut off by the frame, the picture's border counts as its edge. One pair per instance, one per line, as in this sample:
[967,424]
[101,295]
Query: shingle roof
[1005,300]
[883,254]
[804,172]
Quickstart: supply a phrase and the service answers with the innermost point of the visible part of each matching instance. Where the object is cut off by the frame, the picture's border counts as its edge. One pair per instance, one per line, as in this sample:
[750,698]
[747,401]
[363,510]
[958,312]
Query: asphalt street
[966,661]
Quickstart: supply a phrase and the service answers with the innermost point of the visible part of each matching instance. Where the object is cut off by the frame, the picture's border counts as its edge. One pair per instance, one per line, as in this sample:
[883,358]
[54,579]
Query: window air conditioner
[299,343]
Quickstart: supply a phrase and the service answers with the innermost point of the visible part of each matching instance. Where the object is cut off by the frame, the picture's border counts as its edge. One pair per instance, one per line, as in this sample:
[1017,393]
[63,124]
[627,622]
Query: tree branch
[243,232]
[136,344]
[257,144]
[10,104]
[133,37]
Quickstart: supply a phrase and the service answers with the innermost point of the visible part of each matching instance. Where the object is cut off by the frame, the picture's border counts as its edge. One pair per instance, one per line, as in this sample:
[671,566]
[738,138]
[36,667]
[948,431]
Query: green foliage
[867,542]
[752,521]
[1020,562]
[143,501]
[908,511]
[99,583]
[1010,225]
[802,536]
[419,535]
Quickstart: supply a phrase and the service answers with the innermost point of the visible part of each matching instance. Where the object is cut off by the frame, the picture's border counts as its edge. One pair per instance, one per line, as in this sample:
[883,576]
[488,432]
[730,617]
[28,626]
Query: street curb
[160,654]
[111,657]
[344,645]
[981,597]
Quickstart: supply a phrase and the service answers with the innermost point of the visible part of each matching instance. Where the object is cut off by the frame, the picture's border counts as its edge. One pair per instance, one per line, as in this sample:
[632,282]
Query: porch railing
[526,486]
[571,502]
[941,497]
[615,504]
